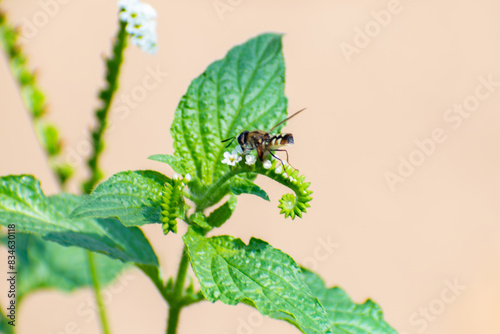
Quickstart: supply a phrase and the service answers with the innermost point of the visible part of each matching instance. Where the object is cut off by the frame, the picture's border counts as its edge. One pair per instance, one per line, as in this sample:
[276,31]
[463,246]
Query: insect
[264,142]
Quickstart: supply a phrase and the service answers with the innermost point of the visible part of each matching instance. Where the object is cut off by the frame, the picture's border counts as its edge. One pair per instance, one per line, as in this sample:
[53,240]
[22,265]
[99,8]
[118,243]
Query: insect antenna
[283,121]
[231,141]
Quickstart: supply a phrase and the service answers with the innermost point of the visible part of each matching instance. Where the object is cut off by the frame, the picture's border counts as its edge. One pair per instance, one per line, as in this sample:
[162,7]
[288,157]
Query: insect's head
[242,138]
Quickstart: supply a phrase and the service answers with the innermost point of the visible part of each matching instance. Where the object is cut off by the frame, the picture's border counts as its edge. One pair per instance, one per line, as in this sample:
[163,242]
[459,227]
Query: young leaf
[232,272]
[220,215]
[134,197]
[243,186]
[23,202]
[243,91]
[346,316]
[174,162]
[47,265]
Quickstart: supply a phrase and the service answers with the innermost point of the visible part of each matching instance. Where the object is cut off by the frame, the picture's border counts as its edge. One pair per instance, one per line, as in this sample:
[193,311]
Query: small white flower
[267,164]
[292,179]
[285,175]
[140,23]
[279,169]
[176,177]
[231,159]
[187,177]
[250,159]
[148,11]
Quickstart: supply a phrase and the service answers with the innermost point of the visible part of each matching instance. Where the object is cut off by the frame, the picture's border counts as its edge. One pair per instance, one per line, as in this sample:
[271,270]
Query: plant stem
[98,297]
[176,302]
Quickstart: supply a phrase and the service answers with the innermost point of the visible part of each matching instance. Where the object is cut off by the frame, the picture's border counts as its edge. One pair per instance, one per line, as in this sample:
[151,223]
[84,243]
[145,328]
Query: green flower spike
[291,205]
[172,204]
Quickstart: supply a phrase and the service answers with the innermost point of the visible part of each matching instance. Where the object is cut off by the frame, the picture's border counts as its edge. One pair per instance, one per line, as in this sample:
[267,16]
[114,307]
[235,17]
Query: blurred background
[400,142]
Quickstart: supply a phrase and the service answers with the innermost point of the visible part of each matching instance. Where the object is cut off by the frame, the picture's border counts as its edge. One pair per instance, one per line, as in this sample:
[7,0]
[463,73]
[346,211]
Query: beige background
[398,246]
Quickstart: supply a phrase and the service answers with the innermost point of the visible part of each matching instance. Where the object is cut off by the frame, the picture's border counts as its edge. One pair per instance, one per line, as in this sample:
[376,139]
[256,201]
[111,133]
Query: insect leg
[275,157]
[282,160]
[286,154]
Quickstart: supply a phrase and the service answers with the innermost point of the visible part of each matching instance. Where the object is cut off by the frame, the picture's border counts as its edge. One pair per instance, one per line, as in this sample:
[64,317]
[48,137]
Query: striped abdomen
[279,140]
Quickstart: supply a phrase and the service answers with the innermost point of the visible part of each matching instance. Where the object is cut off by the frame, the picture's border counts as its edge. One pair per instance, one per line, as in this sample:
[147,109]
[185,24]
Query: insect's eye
[242,138]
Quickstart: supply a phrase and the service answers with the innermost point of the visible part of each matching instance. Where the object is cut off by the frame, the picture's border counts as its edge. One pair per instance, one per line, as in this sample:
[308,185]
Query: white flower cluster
[279,170]
[141,25]
[231,159]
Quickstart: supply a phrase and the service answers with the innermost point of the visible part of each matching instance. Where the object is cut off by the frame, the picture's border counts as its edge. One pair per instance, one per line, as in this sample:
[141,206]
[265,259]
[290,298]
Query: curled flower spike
[140,23]
[291,205]
[231,159]
[172,205]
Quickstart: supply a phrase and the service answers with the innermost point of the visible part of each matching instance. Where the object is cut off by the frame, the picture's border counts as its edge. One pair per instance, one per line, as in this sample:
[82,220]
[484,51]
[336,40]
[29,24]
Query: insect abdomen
[282,139]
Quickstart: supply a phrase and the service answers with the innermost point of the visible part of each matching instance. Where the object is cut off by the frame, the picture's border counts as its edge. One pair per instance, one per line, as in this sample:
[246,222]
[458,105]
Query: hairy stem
[97,292]
[176,302]
[113,64]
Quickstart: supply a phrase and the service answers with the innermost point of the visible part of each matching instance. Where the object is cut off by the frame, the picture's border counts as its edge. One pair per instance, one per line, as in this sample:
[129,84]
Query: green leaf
[47,265]
[134,197]
[220,215]
[243,91]
[243,186]
[174,162]
[23,202]
[346,316]
[232,272]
